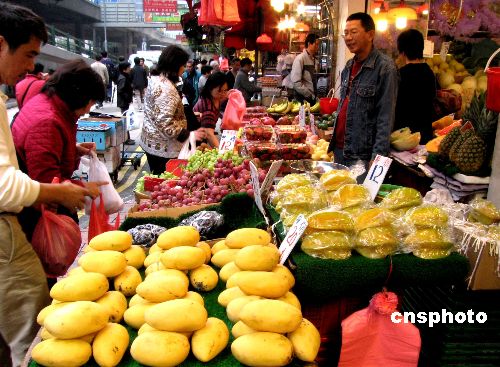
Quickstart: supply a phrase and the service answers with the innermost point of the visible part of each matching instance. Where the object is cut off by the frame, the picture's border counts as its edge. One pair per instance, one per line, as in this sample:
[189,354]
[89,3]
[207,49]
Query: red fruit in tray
[255,121]
[268,121]
[284,120]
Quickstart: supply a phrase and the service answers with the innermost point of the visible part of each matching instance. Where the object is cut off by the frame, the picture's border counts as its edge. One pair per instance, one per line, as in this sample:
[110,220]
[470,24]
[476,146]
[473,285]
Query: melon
[400,133]
[446,79]
[407,142]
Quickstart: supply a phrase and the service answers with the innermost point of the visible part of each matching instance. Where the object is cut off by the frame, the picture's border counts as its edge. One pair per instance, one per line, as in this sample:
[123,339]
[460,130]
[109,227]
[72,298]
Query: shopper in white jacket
[23,286]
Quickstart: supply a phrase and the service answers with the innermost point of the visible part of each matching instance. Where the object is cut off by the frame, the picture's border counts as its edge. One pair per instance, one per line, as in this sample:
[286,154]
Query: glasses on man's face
[353,33]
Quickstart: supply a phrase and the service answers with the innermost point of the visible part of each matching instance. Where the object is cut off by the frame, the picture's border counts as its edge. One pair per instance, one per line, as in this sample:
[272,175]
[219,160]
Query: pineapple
[447,142]
[475,148]
[458,143]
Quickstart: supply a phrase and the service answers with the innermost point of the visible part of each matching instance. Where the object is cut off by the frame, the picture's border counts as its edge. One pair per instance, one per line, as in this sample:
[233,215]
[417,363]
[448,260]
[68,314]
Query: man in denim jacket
[367,97]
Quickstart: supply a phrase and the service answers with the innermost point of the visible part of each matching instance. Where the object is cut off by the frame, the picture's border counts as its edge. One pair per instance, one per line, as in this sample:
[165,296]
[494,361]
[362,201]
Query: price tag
[292,237]
[271,174]
[302,116]
[445,46]
[428,49]
[256,188]
[227,140]
[376,174]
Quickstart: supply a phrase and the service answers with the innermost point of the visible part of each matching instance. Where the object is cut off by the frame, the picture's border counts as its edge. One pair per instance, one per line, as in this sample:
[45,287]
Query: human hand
[85,148]
[200,134]
[93,188]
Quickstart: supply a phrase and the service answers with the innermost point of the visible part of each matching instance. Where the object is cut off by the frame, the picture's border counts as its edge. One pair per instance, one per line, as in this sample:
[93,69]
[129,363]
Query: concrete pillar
[494,189]
[346,8]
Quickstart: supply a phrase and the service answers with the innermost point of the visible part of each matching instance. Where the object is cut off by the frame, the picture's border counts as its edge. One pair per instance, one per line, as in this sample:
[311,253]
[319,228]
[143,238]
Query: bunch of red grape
[203,186]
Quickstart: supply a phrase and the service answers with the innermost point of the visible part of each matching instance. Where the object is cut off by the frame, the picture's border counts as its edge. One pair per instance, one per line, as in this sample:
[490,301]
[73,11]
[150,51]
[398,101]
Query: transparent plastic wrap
[336,178]
[349,196]
[263,150]
[294,180]
[374,217]
[427,216]
[377,242]
[288,217]
[291,134]
[494,233]
[330,220]
[145,235]
[484,211]
[258,132]
[429,243]
[399,201]
[291,152]
[328,245]
[304,199]
[206,222]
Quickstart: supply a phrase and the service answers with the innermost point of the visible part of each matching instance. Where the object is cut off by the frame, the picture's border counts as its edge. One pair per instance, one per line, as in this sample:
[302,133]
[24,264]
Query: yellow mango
[152,258]
[227,270]
[162,288]
[240,328]
[160,348]
[44,312]
[128,281]
[243,237]
[115,303]
[76,270]
[154,267]
[234,307]
[135,315]
[204,278]
[291,299]
[271,315]
[80,287]
[112,240]
[196,297]
[263,349]
[178,236]
[110,344]
[257,258]
[178,315]
[183,258]
[306,341]
[228,295]
[262,283]
[135,256]
[76,319]
[221,245]
[109,263]
[136,299]
[210,340]
[284,272]
[208,250]
[61,353]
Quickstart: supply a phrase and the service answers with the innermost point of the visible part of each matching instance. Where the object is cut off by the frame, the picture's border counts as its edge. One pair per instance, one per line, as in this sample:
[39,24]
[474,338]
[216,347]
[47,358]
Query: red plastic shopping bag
[235,109]
[371,339]
[99,219]
[56,240]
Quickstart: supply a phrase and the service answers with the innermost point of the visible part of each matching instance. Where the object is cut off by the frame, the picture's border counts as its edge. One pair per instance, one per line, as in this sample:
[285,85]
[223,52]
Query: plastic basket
[493,91]
[328,105]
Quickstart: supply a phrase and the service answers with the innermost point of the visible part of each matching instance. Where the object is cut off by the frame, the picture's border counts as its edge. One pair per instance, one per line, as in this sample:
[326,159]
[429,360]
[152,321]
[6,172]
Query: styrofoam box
[117,126]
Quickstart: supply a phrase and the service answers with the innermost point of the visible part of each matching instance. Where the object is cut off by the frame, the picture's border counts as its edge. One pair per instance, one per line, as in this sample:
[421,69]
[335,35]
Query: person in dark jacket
[124,89]
[242,83]
[416,79]
[139,79]
[112,73]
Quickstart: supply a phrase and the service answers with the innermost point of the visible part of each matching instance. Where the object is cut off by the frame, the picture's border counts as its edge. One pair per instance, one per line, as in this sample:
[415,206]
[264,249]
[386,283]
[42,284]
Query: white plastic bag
[113,203]
[132,120]
[189,147]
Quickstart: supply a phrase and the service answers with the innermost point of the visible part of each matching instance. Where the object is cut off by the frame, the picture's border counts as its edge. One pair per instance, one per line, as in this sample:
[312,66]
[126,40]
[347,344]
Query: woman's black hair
[215,80]
[411,43]
[76,84]
[170,61]
[122,66]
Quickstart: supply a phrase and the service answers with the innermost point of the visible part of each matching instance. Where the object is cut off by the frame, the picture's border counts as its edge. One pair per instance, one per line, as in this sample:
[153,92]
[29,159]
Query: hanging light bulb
[301,8]
[381,19]
[376,11]
[401,22]
[278,5]
[382,25]
[403,11]
[281,25]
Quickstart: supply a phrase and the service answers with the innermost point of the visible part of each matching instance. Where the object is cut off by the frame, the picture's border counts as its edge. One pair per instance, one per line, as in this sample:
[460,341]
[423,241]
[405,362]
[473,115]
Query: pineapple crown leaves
[483,120]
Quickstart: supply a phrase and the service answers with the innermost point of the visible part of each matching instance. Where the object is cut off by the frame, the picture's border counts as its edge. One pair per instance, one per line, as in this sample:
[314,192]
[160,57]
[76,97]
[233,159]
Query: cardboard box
[111,158]
[167,212]
[117,126]
[483,257]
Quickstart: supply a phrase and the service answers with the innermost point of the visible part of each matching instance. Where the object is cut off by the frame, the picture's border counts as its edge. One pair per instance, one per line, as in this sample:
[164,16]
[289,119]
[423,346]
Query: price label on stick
[227,140]
[292,237]
[256,189]
[302,116]
[271,174]
[376,174]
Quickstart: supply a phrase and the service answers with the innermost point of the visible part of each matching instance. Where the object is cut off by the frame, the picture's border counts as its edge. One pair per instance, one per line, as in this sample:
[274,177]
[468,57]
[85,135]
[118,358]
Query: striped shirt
[209,113]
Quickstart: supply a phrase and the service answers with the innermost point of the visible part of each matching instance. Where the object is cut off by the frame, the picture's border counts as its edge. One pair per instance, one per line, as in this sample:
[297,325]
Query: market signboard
[160,6]
[174,17]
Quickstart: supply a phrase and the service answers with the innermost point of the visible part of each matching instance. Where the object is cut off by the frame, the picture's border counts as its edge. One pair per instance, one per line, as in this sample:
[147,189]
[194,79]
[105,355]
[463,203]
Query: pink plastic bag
[56,240]
[371,339]
[235,109]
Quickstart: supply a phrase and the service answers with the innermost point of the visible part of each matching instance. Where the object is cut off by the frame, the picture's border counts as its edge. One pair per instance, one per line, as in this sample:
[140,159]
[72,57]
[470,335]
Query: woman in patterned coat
[165,127]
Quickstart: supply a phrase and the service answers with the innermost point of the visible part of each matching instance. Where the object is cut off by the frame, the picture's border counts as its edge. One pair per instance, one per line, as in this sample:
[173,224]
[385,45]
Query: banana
[295,107]
[288,107]
[315,108]
[281,107]
[270,110]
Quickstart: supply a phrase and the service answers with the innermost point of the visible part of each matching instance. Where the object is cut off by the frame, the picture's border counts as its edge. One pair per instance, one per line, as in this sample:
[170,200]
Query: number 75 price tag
[292,237]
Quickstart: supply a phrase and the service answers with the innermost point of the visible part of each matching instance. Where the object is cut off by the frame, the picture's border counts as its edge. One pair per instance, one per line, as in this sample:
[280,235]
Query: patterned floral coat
[164,119]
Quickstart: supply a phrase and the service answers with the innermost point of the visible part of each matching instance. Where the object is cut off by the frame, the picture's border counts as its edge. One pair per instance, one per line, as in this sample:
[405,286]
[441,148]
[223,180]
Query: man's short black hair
[236,59]
[366,20]
[121,58]
[122,66]
[311,38]
[137,60]
[245,61]
[104,53]
[76,84]
[203,62]
[411,43]
[38,68]
[98,57]
[142,59]
[19,24]
[206,69]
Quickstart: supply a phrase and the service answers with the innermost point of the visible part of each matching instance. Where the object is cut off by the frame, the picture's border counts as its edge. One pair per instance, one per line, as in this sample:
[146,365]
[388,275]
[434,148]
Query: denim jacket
[371,110]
